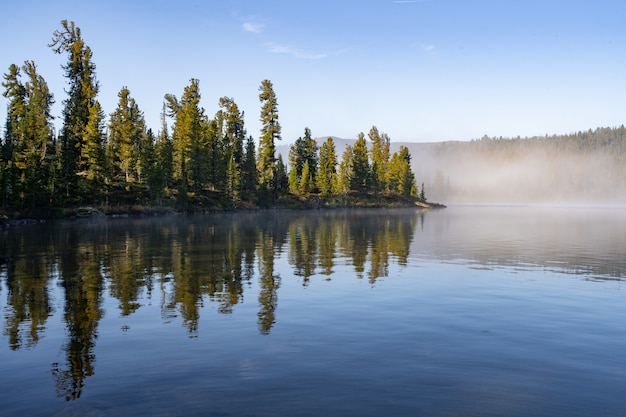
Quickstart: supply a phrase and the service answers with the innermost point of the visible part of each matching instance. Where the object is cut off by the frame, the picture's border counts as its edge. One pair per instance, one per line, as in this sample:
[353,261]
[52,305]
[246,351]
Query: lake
[466,311]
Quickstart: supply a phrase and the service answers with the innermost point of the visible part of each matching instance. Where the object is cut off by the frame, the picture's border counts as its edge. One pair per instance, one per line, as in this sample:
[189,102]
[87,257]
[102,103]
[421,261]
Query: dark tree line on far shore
[192,162]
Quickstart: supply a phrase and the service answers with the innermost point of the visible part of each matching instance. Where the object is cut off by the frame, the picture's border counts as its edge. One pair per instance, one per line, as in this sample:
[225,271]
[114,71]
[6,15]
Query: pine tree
[234,137]
[233,183]
[126,129]
[216,160]
[165,153]
[400,176]
[294,186]
[92,165]
[189,138]
[380,159]
[345,171]
[30,138]
[304,150]
[360,180]
[249,175]
[327,167]
[16,109]
[281,180]
[306,180]
[83,88]
[270,133]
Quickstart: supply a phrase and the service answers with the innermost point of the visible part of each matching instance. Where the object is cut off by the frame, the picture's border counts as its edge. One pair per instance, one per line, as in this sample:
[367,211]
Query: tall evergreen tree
[306,180]
[304,150]
[249,174]
[380,159]
[270,133]
[216,160]
[83,88]
[281,180]
[93,164]
[233,182]
[346,171]
[327,168]
[233,142]
[31,137]
[165,152]
[360,179]
[16,109]
[400,176]
[189,138]
[126,130]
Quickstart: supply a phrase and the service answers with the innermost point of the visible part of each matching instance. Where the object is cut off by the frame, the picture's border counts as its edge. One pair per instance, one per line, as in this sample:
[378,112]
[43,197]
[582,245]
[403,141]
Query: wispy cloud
[253,27]
[277,48]
[428,48]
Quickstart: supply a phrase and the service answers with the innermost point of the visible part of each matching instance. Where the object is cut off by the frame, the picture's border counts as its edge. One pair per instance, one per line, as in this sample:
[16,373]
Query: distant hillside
[579,168]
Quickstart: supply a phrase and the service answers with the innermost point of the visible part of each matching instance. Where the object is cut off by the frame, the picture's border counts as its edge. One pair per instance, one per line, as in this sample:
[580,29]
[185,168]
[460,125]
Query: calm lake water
[467,311]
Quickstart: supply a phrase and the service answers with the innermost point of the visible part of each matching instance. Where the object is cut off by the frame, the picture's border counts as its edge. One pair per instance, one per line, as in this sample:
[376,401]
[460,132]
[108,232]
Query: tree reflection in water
[192,260]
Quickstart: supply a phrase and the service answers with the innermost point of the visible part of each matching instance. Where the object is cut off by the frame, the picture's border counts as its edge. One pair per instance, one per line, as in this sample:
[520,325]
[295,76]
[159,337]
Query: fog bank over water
[510,173]
[579,168]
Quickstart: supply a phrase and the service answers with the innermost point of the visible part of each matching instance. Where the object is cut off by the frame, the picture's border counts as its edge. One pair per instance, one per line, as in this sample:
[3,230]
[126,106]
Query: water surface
[465,311]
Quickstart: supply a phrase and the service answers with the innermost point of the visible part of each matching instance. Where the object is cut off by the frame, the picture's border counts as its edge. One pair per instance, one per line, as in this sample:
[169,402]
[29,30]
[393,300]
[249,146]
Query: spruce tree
[294,186]
[30,138]
[306,180]
[16,109]
[360,180]
[83,88]
[304,150]
[270,133]
[165,153]
[93,165]
[400,176]
[189,139]
[380,159]
[249,174]
[327,167]
[126,130]
[233,142]
[346,171]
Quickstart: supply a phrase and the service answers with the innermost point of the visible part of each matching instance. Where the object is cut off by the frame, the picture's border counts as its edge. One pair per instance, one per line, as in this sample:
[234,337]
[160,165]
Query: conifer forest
[110,159]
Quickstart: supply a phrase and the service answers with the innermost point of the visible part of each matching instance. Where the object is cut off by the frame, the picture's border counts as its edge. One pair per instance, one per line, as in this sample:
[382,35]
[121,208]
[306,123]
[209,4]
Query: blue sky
[424,70]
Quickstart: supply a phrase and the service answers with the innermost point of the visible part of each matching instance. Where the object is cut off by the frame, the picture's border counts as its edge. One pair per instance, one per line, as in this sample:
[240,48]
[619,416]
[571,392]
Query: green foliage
[345,174]
[92,165]
[304,151]
[28,154]
[202,163]
[249,175]
[361,174]
[270,133]
[294,186]
[327,170]
[189,137]
[400,177]
[232,151]
[306,180]
[380,159]
[126,130]
[83,88]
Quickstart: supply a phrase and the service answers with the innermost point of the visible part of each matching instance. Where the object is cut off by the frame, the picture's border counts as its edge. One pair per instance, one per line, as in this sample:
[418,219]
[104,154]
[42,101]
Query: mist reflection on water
[578,240]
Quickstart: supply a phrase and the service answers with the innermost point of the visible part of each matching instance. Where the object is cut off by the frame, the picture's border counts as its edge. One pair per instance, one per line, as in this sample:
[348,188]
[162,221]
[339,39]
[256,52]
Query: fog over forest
[579,168]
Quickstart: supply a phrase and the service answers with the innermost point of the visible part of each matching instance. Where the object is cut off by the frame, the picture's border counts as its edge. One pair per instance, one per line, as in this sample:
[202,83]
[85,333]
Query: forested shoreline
[116,163]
